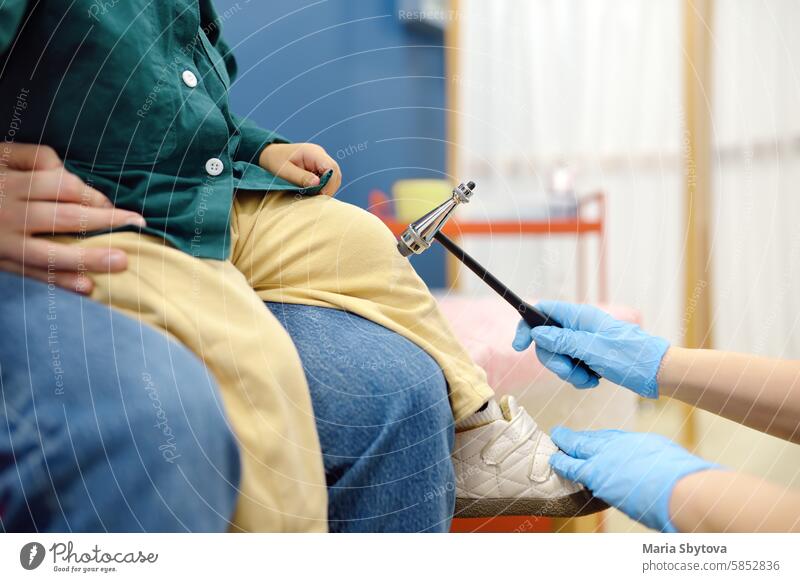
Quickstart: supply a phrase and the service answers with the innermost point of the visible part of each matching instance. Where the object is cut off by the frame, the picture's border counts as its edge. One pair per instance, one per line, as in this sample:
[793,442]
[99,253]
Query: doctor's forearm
[761,393]
[724,501]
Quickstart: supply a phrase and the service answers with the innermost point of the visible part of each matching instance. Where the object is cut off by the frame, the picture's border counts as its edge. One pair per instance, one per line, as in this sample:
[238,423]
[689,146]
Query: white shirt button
[189,78]
[214,167]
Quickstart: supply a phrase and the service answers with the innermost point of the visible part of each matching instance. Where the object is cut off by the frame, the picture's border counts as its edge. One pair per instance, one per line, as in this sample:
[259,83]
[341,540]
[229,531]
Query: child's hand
[301,164]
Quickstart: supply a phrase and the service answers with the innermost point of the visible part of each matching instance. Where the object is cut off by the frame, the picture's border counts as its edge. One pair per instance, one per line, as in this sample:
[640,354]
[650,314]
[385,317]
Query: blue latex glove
[634,472]
[616,350]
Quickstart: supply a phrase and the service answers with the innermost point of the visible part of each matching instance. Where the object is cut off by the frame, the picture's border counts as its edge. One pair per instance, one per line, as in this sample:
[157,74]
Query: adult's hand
[301,164]
[38,196]
[635,472]
[616,350]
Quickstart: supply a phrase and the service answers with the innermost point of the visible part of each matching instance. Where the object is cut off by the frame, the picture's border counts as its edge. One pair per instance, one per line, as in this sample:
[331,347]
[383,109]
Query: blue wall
[350,76]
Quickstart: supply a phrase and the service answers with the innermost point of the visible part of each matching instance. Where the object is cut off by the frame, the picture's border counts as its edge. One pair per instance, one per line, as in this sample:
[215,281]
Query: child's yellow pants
[289,249]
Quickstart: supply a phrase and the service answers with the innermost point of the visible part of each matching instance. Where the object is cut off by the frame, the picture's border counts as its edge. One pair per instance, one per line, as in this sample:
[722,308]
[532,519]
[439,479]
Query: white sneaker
[501,462]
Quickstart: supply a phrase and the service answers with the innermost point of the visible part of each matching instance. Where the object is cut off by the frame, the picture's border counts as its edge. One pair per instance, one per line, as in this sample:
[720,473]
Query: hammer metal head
[418,237]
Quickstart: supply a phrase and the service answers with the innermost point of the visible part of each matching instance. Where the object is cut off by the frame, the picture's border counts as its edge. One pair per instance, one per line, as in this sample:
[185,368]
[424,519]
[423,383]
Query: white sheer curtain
[595,84]
[598,84]
[757,176]
[756,238]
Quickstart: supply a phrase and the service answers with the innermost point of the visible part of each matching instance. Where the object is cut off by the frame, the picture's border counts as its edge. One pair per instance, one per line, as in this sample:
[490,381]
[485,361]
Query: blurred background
[643,155]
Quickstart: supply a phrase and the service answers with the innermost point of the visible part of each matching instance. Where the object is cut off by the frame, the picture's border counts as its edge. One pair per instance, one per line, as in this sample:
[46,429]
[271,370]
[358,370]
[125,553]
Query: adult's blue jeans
[107,425]
[384,422]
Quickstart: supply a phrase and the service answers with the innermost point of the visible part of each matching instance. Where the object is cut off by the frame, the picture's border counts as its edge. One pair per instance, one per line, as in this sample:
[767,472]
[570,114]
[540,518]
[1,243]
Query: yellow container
[413,198]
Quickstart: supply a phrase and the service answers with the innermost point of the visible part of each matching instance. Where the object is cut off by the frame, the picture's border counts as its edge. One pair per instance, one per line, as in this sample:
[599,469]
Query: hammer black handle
[529,313]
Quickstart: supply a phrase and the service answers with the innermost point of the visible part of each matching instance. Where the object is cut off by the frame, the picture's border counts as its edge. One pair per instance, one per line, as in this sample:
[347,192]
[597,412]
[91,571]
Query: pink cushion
[486,325]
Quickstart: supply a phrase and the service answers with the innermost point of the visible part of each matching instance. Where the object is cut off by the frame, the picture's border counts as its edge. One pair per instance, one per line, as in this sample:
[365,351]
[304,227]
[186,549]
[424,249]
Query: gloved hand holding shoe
[634,472]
